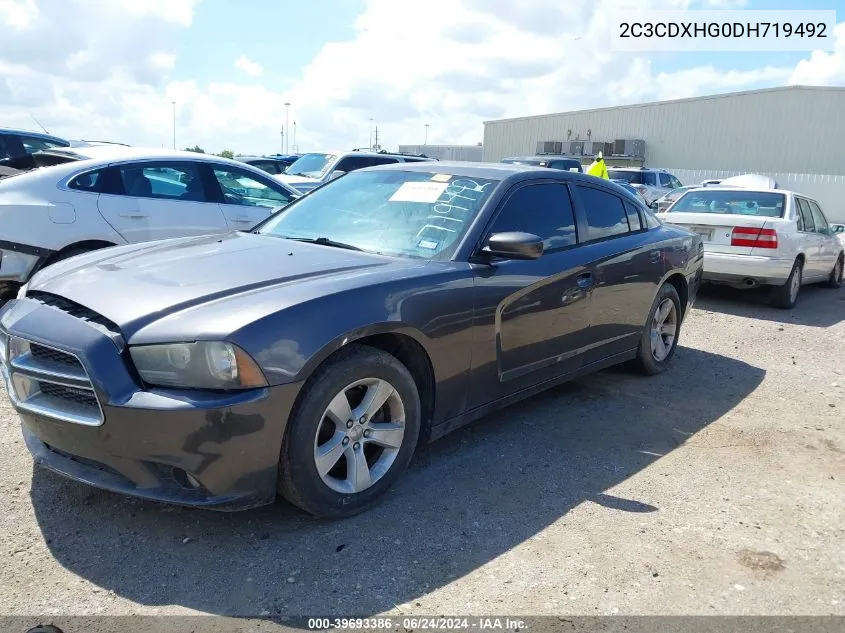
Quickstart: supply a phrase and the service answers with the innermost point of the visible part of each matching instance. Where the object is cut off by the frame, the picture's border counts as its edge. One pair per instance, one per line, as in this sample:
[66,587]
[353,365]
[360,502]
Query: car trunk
[716,229]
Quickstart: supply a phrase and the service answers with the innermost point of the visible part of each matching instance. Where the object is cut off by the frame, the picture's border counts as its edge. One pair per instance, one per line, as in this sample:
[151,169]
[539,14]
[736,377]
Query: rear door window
[665,181]
[805,222]
[606,215]
[818,218]
[351,163]
[633,217]
[170,180]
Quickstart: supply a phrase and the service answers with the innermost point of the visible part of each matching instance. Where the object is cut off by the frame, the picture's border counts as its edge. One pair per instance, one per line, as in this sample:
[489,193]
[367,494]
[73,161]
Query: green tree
[195,148]
[227,153]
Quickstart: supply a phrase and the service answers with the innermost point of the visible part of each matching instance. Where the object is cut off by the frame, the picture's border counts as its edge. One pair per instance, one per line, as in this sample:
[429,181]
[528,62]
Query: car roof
[542,157]
[47,137]
[637,168]
[108,153]
[496,171]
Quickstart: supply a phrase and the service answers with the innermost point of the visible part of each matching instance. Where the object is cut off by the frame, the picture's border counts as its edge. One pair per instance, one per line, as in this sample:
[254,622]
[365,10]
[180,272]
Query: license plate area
[705,232]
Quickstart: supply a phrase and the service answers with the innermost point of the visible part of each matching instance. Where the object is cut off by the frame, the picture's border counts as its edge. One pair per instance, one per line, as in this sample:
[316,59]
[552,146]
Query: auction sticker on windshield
[441,177]
[419,192]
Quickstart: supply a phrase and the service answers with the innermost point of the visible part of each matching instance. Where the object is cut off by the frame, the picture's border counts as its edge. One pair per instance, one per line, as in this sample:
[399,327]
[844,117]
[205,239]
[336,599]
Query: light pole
[282,146]
[287,109]
[294,137]
[426,135]
[371,132]
[173,103]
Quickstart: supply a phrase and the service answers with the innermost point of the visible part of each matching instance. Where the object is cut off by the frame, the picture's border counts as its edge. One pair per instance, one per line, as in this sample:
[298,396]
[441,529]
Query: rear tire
[660,334]
[335,468]
[835,279]
[786,296]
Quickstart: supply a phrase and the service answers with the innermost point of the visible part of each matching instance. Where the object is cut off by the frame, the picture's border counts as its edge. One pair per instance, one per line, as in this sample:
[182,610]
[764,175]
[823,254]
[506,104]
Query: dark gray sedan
[312,355]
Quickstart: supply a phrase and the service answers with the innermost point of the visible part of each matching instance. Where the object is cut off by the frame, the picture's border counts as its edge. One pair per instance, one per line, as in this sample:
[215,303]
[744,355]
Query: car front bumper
[737,269]
[187,447]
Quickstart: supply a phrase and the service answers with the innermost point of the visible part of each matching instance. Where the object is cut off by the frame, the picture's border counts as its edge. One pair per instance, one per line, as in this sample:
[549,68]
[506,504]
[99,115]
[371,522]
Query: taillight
[754,237]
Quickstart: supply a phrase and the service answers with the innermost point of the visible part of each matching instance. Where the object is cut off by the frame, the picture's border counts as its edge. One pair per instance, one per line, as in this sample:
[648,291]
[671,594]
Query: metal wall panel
[796,129]
[472,153]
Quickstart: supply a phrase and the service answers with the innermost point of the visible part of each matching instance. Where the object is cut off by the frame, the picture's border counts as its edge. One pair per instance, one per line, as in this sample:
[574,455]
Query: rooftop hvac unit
[549,147]
[629,147]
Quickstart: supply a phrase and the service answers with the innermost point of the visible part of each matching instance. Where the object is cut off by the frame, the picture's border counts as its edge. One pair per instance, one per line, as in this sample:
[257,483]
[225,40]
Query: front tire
[835,279]
[660,335]
[352,434]
[786,296]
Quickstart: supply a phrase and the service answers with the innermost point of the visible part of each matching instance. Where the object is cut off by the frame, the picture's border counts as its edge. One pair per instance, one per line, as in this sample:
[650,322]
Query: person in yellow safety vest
[598,168]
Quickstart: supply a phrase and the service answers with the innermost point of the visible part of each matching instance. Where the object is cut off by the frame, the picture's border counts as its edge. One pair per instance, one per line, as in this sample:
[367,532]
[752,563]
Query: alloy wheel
[664,326]
[360,435]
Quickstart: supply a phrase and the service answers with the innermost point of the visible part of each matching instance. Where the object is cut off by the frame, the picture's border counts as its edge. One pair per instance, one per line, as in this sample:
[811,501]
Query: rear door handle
[584,280]
[133,214]
[654,256]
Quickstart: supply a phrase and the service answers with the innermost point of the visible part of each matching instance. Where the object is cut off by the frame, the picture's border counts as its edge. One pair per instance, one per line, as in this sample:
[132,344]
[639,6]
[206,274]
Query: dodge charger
[309,356]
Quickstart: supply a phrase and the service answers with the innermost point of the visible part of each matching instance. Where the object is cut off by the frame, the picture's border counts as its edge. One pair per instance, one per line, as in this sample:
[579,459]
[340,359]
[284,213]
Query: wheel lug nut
[362,419]
[345,441]
[356,446]
[349,424]
[367,433]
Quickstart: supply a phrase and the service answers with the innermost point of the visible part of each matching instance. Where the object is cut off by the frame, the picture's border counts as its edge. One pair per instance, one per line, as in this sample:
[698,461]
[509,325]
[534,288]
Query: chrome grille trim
[55,385]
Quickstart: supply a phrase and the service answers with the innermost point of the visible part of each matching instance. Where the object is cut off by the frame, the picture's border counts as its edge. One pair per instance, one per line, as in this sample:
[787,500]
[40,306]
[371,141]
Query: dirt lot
[718,487]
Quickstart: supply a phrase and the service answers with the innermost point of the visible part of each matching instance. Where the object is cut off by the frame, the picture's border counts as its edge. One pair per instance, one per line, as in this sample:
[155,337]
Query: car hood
[135,285]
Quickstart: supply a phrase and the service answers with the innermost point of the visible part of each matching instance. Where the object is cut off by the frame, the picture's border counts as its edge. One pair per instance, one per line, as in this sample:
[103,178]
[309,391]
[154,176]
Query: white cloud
[18,14]
[823,69]
[251,68]
[468,61]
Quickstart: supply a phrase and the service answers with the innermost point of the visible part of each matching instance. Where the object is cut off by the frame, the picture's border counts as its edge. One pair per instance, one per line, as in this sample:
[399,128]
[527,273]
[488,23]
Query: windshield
[738,202]
[631,177]
[404,213]
[311,165]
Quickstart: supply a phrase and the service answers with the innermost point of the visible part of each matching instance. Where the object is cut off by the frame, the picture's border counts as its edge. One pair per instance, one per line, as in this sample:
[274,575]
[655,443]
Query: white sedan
[758,237]
[86,198]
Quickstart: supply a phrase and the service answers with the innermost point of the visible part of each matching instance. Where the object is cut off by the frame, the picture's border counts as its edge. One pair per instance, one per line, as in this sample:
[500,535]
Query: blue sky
[452,64]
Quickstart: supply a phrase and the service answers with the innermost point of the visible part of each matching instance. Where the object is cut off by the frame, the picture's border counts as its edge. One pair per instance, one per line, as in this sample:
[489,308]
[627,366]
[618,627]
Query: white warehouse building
[795,134]
[472,153]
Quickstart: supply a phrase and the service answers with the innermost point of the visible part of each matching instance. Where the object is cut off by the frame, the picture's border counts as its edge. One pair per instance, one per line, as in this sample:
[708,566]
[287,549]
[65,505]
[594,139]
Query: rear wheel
[786,296]
[835,279]
[660,335]
[352,434]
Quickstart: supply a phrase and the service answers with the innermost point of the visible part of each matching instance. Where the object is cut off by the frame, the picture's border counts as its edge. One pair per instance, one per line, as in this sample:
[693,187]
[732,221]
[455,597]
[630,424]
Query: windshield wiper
[298,173]
[324,241]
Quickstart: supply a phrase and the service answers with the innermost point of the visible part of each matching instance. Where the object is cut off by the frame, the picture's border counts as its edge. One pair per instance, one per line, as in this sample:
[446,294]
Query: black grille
[50,356]
[71,394]
[84,461]
[73,309]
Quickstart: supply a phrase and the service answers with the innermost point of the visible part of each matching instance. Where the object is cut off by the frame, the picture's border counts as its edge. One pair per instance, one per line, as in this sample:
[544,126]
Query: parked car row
[232,338]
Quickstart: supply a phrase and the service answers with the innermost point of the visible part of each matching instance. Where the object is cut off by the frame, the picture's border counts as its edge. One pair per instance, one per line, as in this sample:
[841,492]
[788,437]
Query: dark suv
[567,163]
[18,146]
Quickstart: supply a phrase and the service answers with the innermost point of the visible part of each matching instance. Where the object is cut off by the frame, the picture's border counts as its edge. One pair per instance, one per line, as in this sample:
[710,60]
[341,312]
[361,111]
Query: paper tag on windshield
[425,191]
[427,244]
[441,178]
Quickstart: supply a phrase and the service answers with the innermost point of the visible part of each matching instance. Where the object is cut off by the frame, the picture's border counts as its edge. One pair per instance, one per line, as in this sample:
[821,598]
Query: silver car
[651,183]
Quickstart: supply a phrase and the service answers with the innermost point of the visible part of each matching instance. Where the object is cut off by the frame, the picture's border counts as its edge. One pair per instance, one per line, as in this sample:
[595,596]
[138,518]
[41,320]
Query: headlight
[201,365]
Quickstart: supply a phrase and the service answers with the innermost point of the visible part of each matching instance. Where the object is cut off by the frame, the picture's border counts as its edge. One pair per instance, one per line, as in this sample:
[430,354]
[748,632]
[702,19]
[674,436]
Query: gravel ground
[715,488]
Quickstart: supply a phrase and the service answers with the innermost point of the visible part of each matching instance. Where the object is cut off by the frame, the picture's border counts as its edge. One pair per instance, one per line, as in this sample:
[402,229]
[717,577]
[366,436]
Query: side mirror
[514,245]
[653,205]
[337,173]
[837,228]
